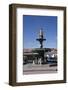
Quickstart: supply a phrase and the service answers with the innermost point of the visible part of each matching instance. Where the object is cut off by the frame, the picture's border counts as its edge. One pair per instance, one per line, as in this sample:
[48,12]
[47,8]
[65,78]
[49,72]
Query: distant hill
[28,50]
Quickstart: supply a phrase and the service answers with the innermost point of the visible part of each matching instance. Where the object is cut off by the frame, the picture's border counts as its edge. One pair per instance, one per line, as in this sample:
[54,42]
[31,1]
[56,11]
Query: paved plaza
[39,69]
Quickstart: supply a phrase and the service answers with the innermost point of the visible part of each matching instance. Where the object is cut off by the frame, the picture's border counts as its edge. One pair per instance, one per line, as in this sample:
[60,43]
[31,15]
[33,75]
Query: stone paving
[38,69]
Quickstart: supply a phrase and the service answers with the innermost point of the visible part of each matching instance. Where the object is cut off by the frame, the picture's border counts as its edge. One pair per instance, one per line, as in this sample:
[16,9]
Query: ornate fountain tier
[41,50]
[41,38]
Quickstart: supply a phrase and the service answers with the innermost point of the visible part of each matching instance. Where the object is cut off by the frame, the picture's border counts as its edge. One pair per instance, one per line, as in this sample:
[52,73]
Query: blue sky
[31,27]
